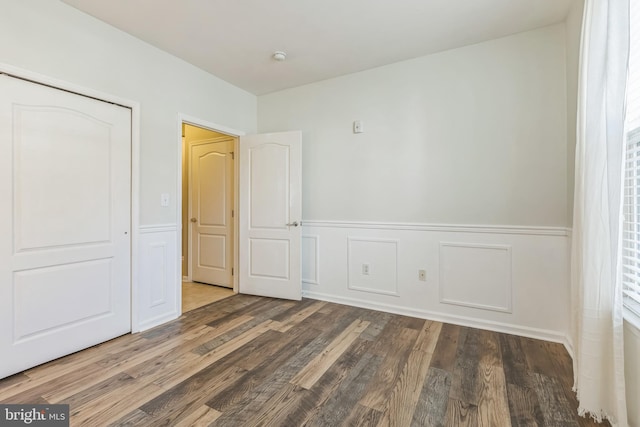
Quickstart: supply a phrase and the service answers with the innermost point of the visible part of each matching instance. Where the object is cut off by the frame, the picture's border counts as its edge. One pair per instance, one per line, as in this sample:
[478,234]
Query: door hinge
[232,271]
[233,213]
[233,156]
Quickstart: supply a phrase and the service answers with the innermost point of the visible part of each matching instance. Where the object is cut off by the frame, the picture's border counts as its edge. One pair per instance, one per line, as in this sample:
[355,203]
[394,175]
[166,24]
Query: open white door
[65,219]
[270,215]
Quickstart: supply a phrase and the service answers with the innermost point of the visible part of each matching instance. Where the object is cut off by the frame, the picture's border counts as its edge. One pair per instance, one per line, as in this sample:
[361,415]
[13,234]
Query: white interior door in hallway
[65,219]
[211,199]
[270,215]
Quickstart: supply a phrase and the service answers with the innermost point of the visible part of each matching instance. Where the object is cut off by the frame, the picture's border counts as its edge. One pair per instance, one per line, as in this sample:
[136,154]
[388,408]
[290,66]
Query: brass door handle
[194,220]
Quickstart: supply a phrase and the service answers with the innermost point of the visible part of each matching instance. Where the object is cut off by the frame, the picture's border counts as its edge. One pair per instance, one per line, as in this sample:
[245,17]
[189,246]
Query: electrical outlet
[365,269]
[422,275]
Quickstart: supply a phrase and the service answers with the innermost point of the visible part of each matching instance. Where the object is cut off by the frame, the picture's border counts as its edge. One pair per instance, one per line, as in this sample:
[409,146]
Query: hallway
[195,295]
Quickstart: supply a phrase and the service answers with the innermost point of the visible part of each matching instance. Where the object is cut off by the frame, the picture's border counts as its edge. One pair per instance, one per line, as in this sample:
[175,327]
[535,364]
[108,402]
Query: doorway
[208,215]
[267,191]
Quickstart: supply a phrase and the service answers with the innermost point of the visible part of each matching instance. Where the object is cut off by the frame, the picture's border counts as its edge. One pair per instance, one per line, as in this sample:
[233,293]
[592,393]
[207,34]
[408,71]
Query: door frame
[134,106]
[201,123]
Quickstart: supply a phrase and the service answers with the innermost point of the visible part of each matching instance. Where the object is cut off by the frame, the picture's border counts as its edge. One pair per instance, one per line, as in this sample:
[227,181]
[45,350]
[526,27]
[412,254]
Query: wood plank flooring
[252,361]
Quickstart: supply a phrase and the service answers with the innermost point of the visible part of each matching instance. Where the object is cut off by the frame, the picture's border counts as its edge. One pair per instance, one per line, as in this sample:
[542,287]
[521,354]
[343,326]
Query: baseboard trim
[157,321]
[455,228]
[542,334]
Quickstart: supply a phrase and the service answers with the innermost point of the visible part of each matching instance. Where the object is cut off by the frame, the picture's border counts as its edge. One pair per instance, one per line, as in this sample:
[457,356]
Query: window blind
[631,233]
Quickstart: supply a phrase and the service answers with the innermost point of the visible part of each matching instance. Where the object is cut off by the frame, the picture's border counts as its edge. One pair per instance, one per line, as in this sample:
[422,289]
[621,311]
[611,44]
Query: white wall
[573,26]
[55,40]
[461,171]
[475,135]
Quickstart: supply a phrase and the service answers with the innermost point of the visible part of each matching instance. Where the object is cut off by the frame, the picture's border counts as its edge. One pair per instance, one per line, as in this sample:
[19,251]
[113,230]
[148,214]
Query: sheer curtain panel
[596,267]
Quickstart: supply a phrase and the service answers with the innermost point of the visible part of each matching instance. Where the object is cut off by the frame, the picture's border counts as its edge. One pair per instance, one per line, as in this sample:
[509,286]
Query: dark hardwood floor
[252,361]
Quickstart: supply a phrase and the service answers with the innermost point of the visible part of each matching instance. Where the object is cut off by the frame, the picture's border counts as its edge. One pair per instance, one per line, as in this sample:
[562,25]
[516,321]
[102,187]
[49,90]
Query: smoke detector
[279,56]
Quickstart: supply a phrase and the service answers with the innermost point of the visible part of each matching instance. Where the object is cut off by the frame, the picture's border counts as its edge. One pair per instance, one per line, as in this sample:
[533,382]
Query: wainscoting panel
[158,276]
[310,259]
[475,275]
[373,265]
[333,254]
[507,279]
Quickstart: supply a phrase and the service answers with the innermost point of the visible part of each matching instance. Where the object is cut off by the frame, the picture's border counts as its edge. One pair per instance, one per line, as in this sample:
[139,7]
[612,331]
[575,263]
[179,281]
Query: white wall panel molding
[519,282]
[372,265]
[159,275]
[311,262]
[503,327]
[158,258]
[632,371]
[452,228]
[476,275]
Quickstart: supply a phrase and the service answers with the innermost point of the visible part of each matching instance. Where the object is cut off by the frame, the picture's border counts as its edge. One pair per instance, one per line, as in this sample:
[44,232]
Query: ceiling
[234,39]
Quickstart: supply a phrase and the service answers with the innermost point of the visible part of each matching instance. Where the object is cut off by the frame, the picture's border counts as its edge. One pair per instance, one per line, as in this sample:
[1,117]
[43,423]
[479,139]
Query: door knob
[293,224]
[194,220]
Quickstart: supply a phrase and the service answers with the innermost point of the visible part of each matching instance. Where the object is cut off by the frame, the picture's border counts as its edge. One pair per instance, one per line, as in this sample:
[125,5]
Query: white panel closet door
[270,213]
[65,191]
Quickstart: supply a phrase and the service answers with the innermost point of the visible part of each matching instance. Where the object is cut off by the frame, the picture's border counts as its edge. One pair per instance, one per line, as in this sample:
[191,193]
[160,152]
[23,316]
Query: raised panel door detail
[52,148]
[269,258]
[212,184]
[212,251]
[269,169]
[37,303]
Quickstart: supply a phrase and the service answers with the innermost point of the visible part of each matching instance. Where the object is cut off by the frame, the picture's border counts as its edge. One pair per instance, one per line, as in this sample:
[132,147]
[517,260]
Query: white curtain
[597,220]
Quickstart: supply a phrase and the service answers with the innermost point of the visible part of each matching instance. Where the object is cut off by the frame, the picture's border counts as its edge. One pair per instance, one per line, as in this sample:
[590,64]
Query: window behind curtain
[631,244]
